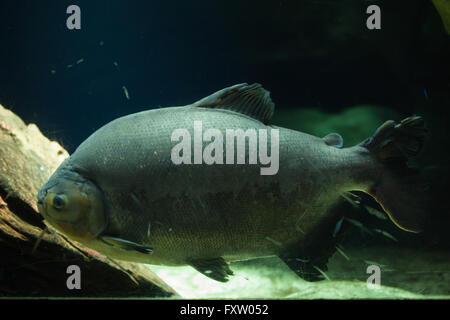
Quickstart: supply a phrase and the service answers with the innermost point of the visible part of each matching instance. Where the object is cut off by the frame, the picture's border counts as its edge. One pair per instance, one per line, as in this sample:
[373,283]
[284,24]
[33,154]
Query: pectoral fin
[126,245]
[216,268]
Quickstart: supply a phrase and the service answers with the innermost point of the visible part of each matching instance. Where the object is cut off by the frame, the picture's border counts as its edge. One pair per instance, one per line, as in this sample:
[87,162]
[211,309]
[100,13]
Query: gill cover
[73,205]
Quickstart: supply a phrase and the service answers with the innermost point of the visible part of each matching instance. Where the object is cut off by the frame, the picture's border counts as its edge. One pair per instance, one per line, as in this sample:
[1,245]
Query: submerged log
[29,267]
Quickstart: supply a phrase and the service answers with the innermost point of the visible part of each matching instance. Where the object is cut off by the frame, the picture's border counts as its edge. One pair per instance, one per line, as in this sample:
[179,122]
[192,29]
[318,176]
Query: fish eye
[59,202]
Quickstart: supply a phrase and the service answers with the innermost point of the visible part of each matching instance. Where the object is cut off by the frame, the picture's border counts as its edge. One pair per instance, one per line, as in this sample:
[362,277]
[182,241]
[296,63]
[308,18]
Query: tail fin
[401,190]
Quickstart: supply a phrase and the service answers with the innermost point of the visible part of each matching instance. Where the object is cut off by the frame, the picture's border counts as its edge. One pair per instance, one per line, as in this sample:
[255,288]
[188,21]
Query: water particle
[342,253]
[322,273]
[125,91]
[386,234]
[376,213]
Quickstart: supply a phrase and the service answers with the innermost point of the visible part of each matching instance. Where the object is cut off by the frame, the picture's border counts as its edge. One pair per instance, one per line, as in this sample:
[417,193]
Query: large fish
[123,194]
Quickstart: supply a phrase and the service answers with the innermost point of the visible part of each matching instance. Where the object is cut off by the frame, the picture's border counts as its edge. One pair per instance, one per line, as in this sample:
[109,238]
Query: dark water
[312,55]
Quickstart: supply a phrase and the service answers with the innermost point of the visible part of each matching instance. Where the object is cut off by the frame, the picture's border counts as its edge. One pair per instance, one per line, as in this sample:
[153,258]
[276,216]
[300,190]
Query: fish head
[73,205]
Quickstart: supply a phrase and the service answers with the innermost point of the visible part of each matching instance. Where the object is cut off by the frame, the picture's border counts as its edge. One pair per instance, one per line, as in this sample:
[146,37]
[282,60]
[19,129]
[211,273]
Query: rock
[32,267]
[350,290]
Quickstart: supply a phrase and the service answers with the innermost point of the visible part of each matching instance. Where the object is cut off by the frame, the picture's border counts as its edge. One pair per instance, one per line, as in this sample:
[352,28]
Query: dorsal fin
[252,100]
[334,140]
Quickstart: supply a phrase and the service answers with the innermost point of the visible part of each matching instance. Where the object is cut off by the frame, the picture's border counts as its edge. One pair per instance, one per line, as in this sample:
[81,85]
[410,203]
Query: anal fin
[304,266]
[215,268]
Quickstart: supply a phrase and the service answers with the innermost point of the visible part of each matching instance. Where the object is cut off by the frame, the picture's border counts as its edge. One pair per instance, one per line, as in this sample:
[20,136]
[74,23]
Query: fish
[386,234]
[375,212]
[122,179]
[126,93]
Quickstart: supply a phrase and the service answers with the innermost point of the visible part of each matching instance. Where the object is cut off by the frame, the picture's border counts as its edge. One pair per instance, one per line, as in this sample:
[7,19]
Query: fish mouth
[41,200]
[42,206]
[42,195]
[46,215]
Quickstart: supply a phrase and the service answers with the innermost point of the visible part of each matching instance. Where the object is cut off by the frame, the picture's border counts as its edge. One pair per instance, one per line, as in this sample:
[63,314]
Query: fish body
[150,210]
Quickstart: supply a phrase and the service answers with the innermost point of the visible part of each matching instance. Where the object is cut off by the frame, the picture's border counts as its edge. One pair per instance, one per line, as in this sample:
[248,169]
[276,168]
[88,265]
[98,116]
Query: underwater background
[326,73]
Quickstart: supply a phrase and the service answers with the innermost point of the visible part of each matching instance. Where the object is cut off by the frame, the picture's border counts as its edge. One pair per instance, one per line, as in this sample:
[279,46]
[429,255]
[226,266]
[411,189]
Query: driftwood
[28,268]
